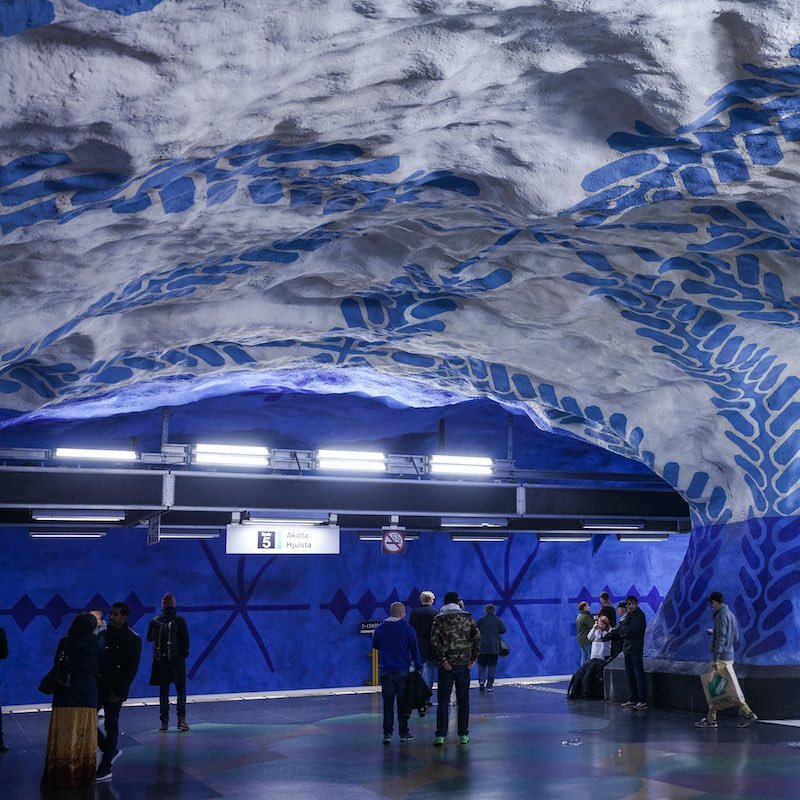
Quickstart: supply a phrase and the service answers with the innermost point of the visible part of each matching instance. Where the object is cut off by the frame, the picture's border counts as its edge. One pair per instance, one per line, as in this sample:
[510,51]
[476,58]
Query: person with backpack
[170,637]
[3,655]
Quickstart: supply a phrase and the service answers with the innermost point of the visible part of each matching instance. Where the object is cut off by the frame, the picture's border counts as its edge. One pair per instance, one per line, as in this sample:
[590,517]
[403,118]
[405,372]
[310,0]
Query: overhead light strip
[77,515]
[461,465]
[612,524]
[98,455]
[231,455]
[351,460]
[66,534]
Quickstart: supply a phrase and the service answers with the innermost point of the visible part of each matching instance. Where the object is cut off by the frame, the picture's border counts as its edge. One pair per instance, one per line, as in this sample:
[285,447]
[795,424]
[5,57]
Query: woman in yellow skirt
[72,739]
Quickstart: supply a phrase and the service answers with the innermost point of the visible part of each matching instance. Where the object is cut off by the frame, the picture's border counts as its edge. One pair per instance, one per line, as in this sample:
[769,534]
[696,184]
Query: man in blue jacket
[724,636]
[396,642]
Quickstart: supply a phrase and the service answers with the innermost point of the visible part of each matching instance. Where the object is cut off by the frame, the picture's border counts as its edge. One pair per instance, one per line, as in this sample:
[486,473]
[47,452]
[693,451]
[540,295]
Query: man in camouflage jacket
[456,644]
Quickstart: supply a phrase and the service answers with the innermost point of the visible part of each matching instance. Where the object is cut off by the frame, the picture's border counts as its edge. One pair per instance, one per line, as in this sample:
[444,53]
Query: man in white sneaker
[724,636]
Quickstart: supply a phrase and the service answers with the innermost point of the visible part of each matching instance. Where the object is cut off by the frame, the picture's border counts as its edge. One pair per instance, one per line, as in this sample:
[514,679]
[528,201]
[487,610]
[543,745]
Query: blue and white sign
[275,539]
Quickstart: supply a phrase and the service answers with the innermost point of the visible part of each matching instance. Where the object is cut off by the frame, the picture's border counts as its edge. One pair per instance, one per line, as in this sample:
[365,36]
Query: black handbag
[58,677]
[504,648]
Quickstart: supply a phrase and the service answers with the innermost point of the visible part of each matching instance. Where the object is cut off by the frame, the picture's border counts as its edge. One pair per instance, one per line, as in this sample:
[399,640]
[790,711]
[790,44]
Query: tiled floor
[330,747]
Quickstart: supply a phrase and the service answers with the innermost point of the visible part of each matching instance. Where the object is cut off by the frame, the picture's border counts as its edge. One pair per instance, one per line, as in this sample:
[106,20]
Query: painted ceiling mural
[587,214]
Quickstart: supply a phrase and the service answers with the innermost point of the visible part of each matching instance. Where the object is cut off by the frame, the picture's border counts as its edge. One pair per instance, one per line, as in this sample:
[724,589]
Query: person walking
[421,620]
[170,637]
[396,643]
[491,628]
[70,753]
[456,643]
[583,624]
[121,653]
[724,636]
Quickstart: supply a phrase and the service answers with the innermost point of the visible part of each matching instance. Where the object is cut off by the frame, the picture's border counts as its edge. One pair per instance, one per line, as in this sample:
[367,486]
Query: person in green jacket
[583,624]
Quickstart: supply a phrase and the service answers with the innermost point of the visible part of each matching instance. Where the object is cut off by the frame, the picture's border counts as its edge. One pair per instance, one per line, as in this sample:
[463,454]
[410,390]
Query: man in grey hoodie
[724,636]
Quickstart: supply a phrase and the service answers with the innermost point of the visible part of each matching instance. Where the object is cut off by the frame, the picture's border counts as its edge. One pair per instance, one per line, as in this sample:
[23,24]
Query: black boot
[3,748]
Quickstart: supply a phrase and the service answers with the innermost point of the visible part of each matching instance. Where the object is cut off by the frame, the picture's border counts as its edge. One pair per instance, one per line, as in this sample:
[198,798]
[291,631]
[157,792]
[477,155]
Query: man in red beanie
[170,638]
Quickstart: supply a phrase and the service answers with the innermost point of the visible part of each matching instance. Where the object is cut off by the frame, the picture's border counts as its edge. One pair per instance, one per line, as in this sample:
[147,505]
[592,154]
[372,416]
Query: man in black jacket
[631,630]
[170,637]
[121,653]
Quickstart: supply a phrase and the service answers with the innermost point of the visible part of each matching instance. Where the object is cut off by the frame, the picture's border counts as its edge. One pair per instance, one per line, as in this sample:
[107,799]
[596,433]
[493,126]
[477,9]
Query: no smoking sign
[393,541]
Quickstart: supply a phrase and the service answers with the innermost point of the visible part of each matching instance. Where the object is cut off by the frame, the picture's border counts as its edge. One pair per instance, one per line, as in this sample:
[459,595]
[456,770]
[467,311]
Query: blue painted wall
[263,623]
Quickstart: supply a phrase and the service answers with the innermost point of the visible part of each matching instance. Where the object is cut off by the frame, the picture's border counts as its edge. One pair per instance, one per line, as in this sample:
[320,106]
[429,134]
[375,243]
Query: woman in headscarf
[71,752]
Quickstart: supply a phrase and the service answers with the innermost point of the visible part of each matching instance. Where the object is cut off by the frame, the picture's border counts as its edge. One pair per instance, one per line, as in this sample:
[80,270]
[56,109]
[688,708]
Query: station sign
[288,540]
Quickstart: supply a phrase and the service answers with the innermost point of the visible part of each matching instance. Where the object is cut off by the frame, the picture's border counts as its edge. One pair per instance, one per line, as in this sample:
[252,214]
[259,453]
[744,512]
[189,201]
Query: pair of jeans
[634,672]
[586,652]
[180,689]
[429,672]
[394,685]
[458,675]
[487,667]
[107,742]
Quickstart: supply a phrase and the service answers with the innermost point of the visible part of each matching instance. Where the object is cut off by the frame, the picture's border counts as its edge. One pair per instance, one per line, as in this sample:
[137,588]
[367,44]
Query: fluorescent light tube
[564,537]
[231,455]
[77,515]
[473,522]
[351,460]
[188,535]
[479,537]
[99,455]
[642,537]
[461,465]
[66,534]
[612,524]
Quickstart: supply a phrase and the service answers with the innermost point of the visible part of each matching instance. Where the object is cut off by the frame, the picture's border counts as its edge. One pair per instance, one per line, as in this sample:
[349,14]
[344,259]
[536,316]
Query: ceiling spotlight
[461,465]
[98,455]
[612,524]
[77,515]
[231,455]
[351,460]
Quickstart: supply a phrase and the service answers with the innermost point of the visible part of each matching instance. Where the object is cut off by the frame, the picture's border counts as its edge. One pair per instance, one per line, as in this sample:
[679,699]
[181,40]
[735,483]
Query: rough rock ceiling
[584,211]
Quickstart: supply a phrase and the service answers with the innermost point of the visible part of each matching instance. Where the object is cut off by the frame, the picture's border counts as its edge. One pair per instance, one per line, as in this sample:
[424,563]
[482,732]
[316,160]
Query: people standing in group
[606,609]
[456,643]
[491,628]
[396,643]
[102,625]
[421,620]
[121,653]
[617,643]
[583,624]
[71,751]
[170,637]
[631,631]
[724,636]
[3,656]
[601,649]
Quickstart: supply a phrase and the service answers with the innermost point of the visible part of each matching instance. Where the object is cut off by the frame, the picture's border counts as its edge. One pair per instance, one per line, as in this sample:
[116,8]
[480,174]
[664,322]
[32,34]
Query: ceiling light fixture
[612,524]
[474,536]
[377,536]
[264,517]
[351,460]
[196,533]
[474,522]
[77,515]
[231,455]
[99,455]
[564,537]
[66,534]
[461,465]
[643,537]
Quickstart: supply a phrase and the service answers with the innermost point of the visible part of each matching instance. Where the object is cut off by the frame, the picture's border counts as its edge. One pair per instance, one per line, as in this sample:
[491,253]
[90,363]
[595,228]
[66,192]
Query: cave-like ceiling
[583,211]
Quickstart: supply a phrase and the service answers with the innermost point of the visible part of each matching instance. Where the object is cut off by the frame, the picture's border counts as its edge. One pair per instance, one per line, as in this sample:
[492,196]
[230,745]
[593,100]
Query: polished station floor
[527,741]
